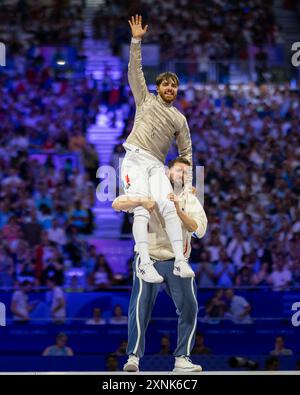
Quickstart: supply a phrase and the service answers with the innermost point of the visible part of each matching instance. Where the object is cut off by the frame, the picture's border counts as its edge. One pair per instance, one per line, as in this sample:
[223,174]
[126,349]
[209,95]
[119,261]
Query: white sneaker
[148,273]
[184,364]
[183,269]
[132,364]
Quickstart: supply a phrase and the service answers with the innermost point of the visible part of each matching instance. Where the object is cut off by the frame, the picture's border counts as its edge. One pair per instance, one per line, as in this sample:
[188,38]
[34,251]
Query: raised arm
[188,222]
[136,77]
[194,218]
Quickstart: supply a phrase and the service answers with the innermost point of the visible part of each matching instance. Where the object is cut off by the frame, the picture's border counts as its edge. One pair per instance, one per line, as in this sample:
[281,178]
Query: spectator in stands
[200,347]
[12,180]
[42,198]
[90,196]
[76,283]
[96,319]
[118,318]
[58,302]
[215,246]
[32,230]
[77,141]
[295,269]
[6,267]
[224,271]
[262,251]
[237,248]
[20,306]
[205,274]
[239,308]
[102,276]
[279,348]
[216,307]
[53,267]
[4,213]
[295,240]
[25,271]
[60,348]
[75,247]
[42,252]
[91,259]
[45,216]
[11,230]
[61,215]
[281,277]
[260,278]
[165,346]
[79,217]
[244,277]
[56,233]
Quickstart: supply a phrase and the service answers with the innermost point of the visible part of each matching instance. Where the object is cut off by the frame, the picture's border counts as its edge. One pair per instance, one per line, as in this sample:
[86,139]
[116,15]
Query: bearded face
[168,90]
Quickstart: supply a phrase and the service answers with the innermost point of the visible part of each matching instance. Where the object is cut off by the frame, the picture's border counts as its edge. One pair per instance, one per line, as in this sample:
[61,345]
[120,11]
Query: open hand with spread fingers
[136,26]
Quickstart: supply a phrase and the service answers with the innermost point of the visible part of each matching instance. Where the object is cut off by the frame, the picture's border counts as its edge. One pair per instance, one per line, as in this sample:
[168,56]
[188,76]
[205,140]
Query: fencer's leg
[174,230]
[140,233]
[136,183]
[160,187]
[146,269]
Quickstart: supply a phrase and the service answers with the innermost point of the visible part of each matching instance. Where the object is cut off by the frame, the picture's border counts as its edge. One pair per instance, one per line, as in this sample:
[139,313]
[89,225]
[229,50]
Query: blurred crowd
[248,140]
[47,172]
[211,30]
[25,23]
[246,137]
[47,166]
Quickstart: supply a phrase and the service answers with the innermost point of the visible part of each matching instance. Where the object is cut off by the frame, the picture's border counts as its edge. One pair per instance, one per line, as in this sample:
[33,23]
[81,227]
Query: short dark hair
[179,159]
[168,75]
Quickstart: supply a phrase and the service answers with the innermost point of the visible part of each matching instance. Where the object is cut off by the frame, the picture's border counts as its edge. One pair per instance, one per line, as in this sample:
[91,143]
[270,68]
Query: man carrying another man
[182,290]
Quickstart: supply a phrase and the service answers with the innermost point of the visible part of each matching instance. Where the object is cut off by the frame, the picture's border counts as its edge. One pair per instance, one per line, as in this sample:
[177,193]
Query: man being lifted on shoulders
[157,123]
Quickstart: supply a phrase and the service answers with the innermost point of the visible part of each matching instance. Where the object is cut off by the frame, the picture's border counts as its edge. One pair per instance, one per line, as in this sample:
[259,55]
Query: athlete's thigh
[134,176]
[159,183]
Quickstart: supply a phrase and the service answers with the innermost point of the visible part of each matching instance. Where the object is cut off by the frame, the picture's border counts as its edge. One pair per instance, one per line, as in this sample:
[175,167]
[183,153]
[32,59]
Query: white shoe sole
[157,281]
[176,273]
[187,370]
[130,368]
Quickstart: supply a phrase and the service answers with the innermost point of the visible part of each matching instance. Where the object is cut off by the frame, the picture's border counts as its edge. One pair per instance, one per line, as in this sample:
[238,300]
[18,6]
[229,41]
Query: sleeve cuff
[136,40]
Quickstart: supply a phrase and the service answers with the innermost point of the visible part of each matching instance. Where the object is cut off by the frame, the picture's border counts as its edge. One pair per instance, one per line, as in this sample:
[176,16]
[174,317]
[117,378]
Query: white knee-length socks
[174,231]
[140,234]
